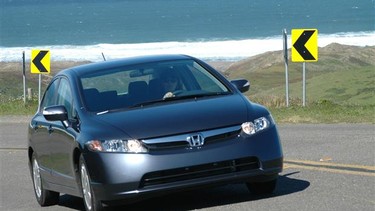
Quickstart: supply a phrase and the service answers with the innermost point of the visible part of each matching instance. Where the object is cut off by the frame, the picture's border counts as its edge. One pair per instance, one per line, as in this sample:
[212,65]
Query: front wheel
[44,197]
[262,187]
[89,199]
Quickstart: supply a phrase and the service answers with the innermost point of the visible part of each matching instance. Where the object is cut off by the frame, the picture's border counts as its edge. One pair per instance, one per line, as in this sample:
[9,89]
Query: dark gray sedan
[124,130]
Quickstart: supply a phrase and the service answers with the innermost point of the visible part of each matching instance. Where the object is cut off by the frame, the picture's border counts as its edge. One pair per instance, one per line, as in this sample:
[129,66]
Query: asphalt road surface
[327,167]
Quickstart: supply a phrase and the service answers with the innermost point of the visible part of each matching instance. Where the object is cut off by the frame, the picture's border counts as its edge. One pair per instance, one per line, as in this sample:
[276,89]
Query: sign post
[285,42]
[304,49]
[40,64]
[304,84]
[24,77]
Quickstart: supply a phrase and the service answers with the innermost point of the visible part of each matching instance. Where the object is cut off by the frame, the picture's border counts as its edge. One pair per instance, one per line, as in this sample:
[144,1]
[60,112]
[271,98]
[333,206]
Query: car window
[127,86]
[49,98]
[114,81]
[65,98]
[206,80]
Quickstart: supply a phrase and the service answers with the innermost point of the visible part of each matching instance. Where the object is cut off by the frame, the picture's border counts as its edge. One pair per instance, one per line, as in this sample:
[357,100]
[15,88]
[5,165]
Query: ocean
[207,29]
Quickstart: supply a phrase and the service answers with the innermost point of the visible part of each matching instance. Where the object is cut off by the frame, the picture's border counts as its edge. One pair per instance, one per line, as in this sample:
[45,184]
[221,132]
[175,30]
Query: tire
[43,196]
[262,187]
[89,199]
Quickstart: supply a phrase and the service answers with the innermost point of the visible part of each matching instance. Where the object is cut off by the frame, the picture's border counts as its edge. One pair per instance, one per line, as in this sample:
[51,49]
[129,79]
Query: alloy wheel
[86,187]
[37,179]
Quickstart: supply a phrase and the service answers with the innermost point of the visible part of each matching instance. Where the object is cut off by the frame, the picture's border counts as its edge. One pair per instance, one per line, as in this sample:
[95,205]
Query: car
[119,131]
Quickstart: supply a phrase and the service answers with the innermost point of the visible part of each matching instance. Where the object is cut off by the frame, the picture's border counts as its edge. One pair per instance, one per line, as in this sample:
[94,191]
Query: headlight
[130,146]
[262,123]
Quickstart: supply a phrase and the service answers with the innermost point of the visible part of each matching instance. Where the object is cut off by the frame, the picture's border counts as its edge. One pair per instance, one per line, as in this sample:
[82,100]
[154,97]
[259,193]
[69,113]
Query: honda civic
[124,130]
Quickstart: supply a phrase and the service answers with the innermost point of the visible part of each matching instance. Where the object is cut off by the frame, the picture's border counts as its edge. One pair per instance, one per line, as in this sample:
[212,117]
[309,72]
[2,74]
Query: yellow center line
[351,169]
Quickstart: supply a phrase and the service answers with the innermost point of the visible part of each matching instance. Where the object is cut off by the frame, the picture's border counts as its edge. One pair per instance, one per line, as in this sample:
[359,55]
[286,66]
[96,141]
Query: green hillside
[343,74]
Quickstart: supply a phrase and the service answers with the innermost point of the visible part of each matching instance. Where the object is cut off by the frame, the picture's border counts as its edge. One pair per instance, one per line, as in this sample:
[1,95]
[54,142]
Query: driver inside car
[170,83]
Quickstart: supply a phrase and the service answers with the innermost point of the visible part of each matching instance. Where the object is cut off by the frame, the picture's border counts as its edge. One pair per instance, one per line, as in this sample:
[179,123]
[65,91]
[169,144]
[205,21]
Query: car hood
[178,117]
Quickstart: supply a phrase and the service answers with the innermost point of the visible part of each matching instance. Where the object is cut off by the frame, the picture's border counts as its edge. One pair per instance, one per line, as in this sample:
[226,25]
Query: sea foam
[225,50]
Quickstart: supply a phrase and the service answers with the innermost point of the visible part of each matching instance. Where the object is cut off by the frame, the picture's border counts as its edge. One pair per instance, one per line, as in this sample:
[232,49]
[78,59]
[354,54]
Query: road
[327,167]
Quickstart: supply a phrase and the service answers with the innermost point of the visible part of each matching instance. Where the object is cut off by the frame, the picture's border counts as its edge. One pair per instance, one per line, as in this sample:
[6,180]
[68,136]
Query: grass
[18,107]
[346,87]
[324,112]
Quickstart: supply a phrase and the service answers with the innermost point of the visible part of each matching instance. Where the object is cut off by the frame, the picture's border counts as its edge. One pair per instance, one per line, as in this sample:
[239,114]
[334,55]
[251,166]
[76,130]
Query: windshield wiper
[132,106]
[199,95]
[148,103]
[182,97]
[178,97]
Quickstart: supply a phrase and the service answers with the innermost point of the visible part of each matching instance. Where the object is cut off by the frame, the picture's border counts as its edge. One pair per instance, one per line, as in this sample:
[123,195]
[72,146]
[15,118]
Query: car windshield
[139,85]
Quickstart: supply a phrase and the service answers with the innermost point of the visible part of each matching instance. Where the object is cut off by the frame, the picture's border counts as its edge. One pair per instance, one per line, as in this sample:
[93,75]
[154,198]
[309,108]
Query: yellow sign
[304,45]
[40,61]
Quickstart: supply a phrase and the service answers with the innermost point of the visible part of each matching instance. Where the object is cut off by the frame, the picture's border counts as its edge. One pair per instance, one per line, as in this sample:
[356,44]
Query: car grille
[180,141]
[199,171]
[222,137]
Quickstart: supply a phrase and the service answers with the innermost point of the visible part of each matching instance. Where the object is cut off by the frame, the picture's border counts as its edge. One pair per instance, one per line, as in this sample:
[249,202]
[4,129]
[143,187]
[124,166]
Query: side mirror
[242,85]
[56,113]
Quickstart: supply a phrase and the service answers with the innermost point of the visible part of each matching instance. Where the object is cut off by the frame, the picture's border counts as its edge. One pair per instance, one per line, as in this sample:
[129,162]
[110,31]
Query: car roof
[92,67]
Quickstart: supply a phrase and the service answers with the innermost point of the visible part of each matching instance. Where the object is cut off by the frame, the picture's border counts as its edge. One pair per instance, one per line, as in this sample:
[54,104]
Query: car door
[39,132]
[62,139]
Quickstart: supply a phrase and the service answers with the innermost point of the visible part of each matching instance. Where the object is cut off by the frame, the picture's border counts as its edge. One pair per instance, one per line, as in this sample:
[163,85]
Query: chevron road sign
[304,45]
[40,61]
[40,64]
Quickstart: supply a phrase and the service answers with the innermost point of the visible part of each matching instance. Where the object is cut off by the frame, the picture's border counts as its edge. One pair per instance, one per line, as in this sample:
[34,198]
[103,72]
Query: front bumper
[129,177]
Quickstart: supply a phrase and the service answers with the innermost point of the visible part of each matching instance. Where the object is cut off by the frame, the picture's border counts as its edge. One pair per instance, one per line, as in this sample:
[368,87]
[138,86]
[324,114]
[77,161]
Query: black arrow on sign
[38,61]
[299,45]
